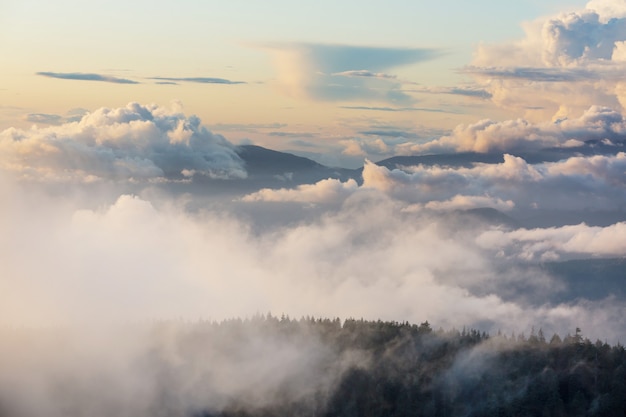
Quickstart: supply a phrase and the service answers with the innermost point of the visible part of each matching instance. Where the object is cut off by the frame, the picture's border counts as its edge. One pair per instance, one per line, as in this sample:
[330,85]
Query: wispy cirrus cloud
[476,92]
[73,115]
[396,109]
[48,119]
[391,133]
[82,76]
[370,74]
[537,74]
[292,134]
[365,73]
[199,80]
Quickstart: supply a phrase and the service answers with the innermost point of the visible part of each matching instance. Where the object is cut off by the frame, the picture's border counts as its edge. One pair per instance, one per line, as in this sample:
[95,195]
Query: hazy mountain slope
[279,167]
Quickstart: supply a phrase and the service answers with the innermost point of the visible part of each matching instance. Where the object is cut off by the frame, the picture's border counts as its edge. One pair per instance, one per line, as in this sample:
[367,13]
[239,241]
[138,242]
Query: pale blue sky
[152,34]
[137,40]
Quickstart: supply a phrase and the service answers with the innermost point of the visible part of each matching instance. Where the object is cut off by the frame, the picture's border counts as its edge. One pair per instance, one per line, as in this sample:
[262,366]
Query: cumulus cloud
[130,143]
[576,183]
[594,182]
[325,191]
[378,144]
[608,9]
[465,202]
[86,77]
[434,181]
[561,65]
[414,184]
[366,147]
[552,243]
[381,141]
[343,72]
[610,169]
[595,124]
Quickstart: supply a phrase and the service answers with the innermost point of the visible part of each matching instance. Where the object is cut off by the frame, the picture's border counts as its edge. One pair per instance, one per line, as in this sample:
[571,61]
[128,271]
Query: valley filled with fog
[334,226]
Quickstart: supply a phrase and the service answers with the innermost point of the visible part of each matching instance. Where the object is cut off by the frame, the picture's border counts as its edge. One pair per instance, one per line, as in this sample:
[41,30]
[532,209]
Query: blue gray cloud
[200,80]
[335,72]
[48,119]
[391,133]
[365,73]
[468,91]
[81,76]
[546,74]
[292,134]
[396,109]
[73,115]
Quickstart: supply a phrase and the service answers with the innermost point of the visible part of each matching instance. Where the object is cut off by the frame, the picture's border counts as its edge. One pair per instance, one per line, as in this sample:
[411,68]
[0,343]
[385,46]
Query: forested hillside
[268,366]
[411,370]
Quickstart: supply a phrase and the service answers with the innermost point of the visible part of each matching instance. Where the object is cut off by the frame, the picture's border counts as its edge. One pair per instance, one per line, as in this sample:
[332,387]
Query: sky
[278,74]
[127,195]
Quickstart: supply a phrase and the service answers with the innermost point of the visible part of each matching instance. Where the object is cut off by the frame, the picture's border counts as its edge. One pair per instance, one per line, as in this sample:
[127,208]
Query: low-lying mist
[166,369]
[134,258]
[99,282]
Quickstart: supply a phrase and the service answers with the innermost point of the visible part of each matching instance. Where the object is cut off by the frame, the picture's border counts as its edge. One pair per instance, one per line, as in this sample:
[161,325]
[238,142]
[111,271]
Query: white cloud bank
[551,243]
[135,142]
[563,63]
[595,124]
[577,183]
[325,191]
[519,135]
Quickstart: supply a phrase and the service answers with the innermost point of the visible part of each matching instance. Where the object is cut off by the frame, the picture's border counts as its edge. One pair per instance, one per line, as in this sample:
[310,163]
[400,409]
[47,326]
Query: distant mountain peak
[260,160]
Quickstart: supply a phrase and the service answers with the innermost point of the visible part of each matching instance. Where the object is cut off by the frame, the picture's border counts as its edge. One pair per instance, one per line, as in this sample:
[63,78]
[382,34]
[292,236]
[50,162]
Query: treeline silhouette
[268,366]
[414,370]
